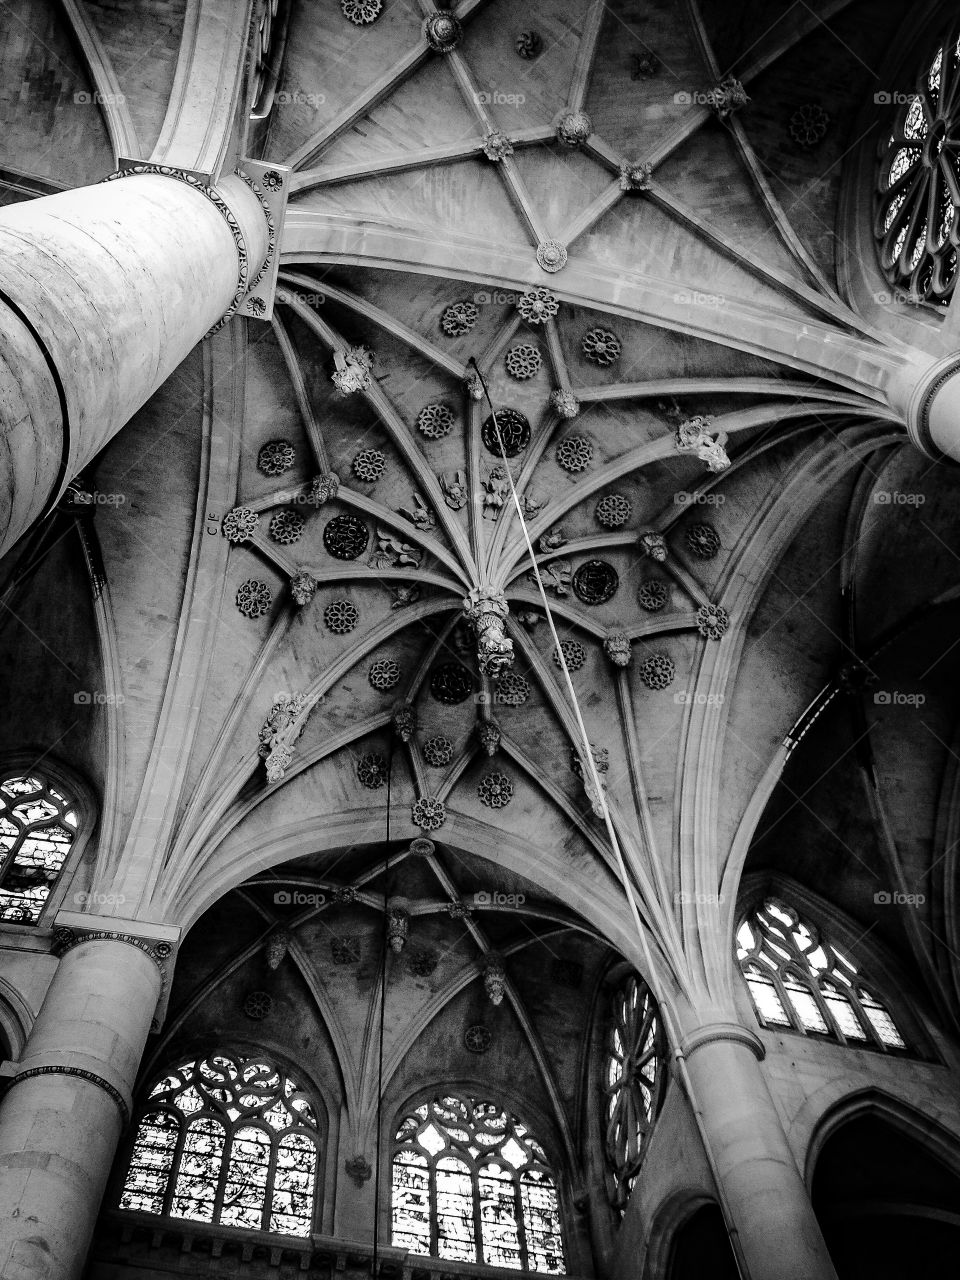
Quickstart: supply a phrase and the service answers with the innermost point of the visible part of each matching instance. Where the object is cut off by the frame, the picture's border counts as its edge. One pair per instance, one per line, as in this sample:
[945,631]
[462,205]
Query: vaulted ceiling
[724,276]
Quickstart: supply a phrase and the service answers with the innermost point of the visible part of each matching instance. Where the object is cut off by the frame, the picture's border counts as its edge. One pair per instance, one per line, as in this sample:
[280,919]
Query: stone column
[103,292]
[925,392]
[766,1197]
[62,1116]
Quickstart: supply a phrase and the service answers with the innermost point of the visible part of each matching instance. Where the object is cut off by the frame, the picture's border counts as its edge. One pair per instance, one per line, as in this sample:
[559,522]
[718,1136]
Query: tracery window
[38,827]
[230,1140]
[800,981]
[472,1184]
[633,1078]
[918,187]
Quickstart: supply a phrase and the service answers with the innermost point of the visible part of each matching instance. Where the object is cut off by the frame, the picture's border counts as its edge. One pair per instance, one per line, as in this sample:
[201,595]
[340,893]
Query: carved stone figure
[391,553]
[694,436]
[487,610]
[280,733]
[454,488]
[497,490]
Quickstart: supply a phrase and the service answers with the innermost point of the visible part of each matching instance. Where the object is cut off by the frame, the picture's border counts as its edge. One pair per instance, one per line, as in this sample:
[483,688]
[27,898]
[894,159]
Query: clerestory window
[38,829]
[799,980]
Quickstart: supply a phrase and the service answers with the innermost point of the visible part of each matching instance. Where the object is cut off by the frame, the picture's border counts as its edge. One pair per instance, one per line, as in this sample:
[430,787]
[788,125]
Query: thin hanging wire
[384,948]
[590,764]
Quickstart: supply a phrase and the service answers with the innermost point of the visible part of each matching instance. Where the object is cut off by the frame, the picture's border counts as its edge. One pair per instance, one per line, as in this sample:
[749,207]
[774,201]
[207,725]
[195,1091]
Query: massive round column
[63,1114]
[103,292]
[766,1197]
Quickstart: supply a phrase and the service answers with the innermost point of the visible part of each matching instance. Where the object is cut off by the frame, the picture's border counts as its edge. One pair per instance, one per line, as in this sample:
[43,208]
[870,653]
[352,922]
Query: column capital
[926,393]
[159,942]
[714,1032]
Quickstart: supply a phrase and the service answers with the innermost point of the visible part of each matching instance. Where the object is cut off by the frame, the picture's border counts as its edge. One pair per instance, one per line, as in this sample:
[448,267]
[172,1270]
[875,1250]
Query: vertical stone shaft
[766,1196]
[103,292]
[63,1114]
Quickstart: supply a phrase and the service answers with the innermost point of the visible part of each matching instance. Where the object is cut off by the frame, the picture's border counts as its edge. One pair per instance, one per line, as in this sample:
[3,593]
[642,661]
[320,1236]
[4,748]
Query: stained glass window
[632,1084]
[918,184]
[38,825]
[472,1184]
[799,980]
[226,1139]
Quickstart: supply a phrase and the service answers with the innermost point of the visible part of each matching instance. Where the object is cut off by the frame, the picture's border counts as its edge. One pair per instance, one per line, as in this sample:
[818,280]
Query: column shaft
[63,1115]
[103,292]
[766,1196]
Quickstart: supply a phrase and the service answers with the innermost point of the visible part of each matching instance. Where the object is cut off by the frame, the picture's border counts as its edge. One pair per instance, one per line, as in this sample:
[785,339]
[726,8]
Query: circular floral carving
[595,582]
[254,598]
[712,621]
[575,453]
[345,537]
[276,457]
[435,421]
[513,689]
[286,527]
[429,813]
[459,318]
[451,683]
[574,655]
[384,674]
[372,770]
[369,465]
[257,307]
[601,347]
[514,432]
[809,124]
[551,255]
[258,1004]
[537,305]
[361,12]
[613,510]
[529,44]
[438,751]
[478,1038]
[240,524]
[917,216]
[657,671]
[652,595]
[340,616]
[703,540]
[272,180]
[495,790]
[574,128]
[442,32]
[523,361]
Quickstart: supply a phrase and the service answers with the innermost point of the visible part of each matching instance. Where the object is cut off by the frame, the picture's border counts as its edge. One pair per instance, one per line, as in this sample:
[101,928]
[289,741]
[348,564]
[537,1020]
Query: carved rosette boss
[487,610]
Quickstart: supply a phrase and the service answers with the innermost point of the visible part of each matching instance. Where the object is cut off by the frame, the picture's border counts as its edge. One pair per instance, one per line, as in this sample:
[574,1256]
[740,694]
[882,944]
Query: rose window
[918,183]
